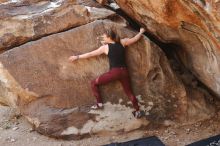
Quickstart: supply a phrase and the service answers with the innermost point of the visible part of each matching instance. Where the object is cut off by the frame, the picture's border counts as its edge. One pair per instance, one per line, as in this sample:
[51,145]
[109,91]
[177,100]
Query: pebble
[168,122]
[173,96]
[31,130]
[15,128]
[34,138]
[172,133]
[12,140]
[187,131]
[150,103]
[120,101]
[9,139]
[197,124]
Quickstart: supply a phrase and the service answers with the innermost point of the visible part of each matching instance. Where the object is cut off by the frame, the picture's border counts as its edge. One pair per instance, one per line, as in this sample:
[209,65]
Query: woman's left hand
[73,58]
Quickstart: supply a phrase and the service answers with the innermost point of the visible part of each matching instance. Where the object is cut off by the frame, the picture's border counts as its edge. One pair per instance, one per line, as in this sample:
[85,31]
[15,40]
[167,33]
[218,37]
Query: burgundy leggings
[119,73]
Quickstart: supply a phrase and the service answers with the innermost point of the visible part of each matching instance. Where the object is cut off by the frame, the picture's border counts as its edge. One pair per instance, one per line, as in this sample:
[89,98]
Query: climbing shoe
[97,106]
[138,114]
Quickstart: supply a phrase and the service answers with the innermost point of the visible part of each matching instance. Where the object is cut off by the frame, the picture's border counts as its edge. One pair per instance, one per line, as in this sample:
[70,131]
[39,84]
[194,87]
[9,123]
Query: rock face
[191,25]
[23,21]
[55,95]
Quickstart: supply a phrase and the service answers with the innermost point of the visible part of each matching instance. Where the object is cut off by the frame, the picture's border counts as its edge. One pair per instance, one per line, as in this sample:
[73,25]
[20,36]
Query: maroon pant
[120,74]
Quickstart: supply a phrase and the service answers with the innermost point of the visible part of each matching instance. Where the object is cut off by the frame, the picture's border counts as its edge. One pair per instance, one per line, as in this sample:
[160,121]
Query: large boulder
[193,26]
[55,95]
[24,21]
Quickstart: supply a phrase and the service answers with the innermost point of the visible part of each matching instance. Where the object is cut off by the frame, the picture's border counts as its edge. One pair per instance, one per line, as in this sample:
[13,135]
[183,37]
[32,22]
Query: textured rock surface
[55,94]
[28,20]
[193,26]
[103,2]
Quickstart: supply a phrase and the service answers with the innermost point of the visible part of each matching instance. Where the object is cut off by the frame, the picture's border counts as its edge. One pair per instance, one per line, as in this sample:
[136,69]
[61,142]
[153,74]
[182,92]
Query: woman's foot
[97,106]
[138,114]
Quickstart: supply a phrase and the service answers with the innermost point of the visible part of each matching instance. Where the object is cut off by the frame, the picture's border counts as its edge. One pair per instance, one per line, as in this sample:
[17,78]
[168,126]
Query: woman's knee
[94,82]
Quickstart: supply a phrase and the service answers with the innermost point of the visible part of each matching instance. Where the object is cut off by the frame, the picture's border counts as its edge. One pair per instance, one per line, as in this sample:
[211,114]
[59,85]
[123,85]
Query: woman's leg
[113,74]
[125,81]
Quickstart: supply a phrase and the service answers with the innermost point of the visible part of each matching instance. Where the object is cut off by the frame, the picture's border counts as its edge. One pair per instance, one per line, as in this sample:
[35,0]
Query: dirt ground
[16,131]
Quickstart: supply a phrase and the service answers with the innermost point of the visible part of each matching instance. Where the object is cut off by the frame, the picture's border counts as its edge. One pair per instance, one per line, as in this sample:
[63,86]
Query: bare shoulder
[124,41]
[104,48]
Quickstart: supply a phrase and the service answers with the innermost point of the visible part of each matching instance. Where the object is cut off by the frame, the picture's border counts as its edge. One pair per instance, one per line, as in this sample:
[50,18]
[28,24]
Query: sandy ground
[16,131]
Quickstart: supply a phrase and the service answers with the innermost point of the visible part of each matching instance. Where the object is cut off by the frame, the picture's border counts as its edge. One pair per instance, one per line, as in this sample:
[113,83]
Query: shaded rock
[189,25]
[55,95]
[23,21]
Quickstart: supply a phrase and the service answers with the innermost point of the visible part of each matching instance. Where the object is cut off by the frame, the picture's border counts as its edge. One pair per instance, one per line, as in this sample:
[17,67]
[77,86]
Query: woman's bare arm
[129,41]
[97,52]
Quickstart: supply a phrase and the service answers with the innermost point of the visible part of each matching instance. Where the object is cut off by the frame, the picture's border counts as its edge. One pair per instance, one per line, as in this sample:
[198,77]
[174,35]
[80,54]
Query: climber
[114,48]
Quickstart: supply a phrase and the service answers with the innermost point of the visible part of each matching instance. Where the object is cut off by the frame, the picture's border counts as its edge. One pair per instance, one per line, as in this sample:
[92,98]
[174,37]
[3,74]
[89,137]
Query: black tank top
[116,55]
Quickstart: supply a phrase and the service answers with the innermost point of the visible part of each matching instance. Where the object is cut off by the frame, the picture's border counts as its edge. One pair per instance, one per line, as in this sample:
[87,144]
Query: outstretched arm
[129,41]
[96,52]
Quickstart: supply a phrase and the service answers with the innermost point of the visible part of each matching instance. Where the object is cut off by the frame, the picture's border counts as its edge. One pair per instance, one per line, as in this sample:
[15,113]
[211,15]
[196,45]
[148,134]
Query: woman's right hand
[73,58]
[142,30]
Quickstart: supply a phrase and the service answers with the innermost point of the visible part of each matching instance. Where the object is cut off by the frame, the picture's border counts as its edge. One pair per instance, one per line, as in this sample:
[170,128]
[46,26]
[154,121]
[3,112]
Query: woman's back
[116,55]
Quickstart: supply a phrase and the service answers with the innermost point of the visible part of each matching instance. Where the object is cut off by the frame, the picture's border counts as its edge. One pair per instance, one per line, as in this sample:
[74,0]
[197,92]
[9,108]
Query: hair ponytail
[113,36]
[117,39]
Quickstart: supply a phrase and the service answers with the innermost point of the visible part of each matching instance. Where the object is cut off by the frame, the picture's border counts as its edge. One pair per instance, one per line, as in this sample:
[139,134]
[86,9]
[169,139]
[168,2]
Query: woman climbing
[114,48]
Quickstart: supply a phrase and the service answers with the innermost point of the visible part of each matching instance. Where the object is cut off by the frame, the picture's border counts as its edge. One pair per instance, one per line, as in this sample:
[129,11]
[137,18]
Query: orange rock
[188,24]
